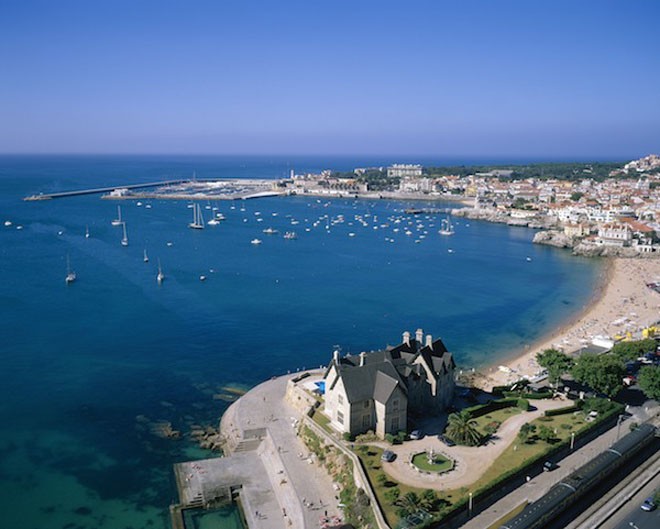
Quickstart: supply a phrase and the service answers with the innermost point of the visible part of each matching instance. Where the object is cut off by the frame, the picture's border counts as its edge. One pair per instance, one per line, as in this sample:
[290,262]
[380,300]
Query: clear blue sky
[549,79]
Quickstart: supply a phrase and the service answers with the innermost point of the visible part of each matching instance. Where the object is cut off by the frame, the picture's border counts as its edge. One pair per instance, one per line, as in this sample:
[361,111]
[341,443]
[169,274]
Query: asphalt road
[632,516]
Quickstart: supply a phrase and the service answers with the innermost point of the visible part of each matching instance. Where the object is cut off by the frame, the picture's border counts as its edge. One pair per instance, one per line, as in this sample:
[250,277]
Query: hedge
[562,411]
[485,409]
[513,394]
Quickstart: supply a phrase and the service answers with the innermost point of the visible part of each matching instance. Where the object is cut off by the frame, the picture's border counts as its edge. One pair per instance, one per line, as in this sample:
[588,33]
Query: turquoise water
[83,365]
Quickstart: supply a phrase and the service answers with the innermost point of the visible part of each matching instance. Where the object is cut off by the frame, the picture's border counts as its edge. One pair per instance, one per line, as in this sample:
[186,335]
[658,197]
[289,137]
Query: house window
[340,417]
[394,424]
[340,399]
[366,421]
[395,404]
[366,403]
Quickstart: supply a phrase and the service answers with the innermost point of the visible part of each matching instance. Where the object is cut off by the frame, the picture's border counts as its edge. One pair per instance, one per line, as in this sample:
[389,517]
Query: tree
[556,362]
[463,429]
[649,381]
[546,434]
[575,197]
[526,431]
[410,502]
[631,350]
[602,373]
[429,499]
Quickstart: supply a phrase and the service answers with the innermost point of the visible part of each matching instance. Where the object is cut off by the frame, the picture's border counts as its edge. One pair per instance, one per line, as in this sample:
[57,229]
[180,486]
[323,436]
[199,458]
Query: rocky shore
[558,239]
[505,217]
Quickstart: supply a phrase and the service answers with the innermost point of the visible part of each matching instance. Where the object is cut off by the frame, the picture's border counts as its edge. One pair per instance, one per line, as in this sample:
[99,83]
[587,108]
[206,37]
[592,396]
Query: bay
[85,365]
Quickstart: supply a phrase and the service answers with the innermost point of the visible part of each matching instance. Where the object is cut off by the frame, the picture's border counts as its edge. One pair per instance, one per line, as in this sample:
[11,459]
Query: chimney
[363,358]
[429,341]
[335,356]
[406,338]
[419,336]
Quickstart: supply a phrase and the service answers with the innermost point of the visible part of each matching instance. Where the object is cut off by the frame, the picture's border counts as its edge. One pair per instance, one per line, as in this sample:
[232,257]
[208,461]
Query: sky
[547,79]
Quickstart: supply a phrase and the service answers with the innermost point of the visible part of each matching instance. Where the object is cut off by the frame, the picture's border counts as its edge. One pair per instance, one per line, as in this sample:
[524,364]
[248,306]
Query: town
[617,213]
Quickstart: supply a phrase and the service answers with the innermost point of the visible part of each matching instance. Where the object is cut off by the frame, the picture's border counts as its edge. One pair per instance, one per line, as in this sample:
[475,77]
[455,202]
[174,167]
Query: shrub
[392,495]
[523,404]
[348,437]
[389,438]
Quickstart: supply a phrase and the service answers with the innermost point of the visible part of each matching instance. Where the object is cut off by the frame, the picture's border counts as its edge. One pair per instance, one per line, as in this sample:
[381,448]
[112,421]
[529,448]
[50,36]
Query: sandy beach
[621,304]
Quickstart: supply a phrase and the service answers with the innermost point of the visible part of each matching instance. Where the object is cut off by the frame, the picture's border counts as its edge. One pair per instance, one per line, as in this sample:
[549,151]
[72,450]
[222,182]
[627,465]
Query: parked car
[446,440]
[388,456]
[416,434]
[548,466]
[648,504]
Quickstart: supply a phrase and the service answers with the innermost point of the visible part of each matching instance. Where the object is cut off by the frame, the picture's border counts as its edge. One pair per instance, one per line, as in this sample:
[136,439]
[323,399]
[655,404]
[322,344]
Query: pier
[96,190]
[279,483]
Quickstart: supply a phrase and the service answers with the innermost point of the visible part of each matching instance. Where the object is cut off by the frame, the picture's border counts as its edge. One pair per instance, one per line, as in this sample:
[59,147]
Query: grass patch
[496,416]
[439,463]
[382,485]
[322,420]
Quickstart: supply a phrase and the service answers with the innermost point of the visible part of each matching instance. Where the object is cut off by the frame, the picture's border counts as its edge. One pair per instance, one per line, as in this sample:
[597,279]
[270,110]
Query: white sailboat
[446,228]
[86,232]
[124,240]
[70,274]
[146,257]
[198,220]
[160,275]
[117,221]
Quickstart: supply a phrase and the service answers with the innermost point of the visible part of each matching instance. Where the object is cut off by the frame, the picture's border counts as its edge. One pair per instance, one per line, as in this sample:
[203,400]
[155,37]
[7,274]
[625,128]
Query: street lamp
[572,440]
[470,504]
[618,426]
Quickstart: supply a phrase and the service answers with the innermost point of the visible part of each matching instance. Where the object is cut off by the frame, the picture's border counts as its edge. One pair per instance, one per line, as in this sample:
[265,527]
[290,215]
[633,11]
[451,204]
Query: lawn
[518,452]
[370,457]
[322,420]
[497,416]
[439,463]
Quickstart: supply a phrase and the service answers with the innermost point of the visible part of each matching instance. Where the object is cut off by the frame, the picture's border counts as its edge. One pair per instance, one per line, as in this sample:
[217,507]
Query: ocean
[88,366]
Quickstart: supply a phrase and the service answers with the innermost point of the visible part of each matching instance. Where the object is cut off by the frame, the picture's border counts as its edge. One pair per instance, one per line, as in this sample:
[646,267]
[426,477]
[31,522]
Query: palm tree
[463,429]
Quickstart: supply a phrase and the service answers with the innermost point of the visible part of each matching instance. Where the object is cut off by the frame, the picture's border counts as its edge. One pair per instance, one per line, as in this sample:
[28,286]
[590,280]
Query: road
[631,515]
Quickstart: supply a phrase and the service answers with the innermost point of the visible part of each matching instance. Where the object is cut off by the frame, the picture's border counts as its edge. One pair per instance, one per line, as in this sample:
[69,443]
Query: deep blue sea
[85,365]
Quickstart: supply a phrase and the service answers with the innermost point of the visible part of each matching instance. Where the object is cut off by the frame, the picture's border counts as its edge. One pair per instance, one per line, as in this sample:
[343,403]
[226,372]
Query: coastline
[620,303]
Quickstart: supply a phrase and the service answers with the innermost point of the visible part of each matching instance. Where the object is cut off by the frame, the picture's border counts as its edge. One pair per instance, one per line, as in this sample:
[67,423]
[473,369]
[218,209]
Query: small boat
[446,228]
[255,241]
[8,223]
[124,239]
[146,257]
[213,222]
[290,235]
[202,278]
[160,275]
[70,274]
[220,216]
[270,231]
[86,232]
[198,220]
[117,221]
[528,259]
[450,250]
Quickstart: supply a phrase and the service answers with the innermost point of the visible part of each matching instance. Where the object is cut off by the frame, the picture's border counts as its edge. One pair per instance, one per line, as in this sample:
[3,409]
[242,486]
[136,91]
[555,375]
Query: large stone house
[377,390]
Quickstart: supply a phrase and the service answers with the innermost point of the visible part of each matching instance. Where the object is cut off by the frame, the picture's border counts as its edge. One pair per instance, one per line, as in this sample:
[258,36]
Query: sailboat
[70,274]
[86,232]
[198,220]
[117,221]
[446,228]
[146,257]
[124,240]
[160,275]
